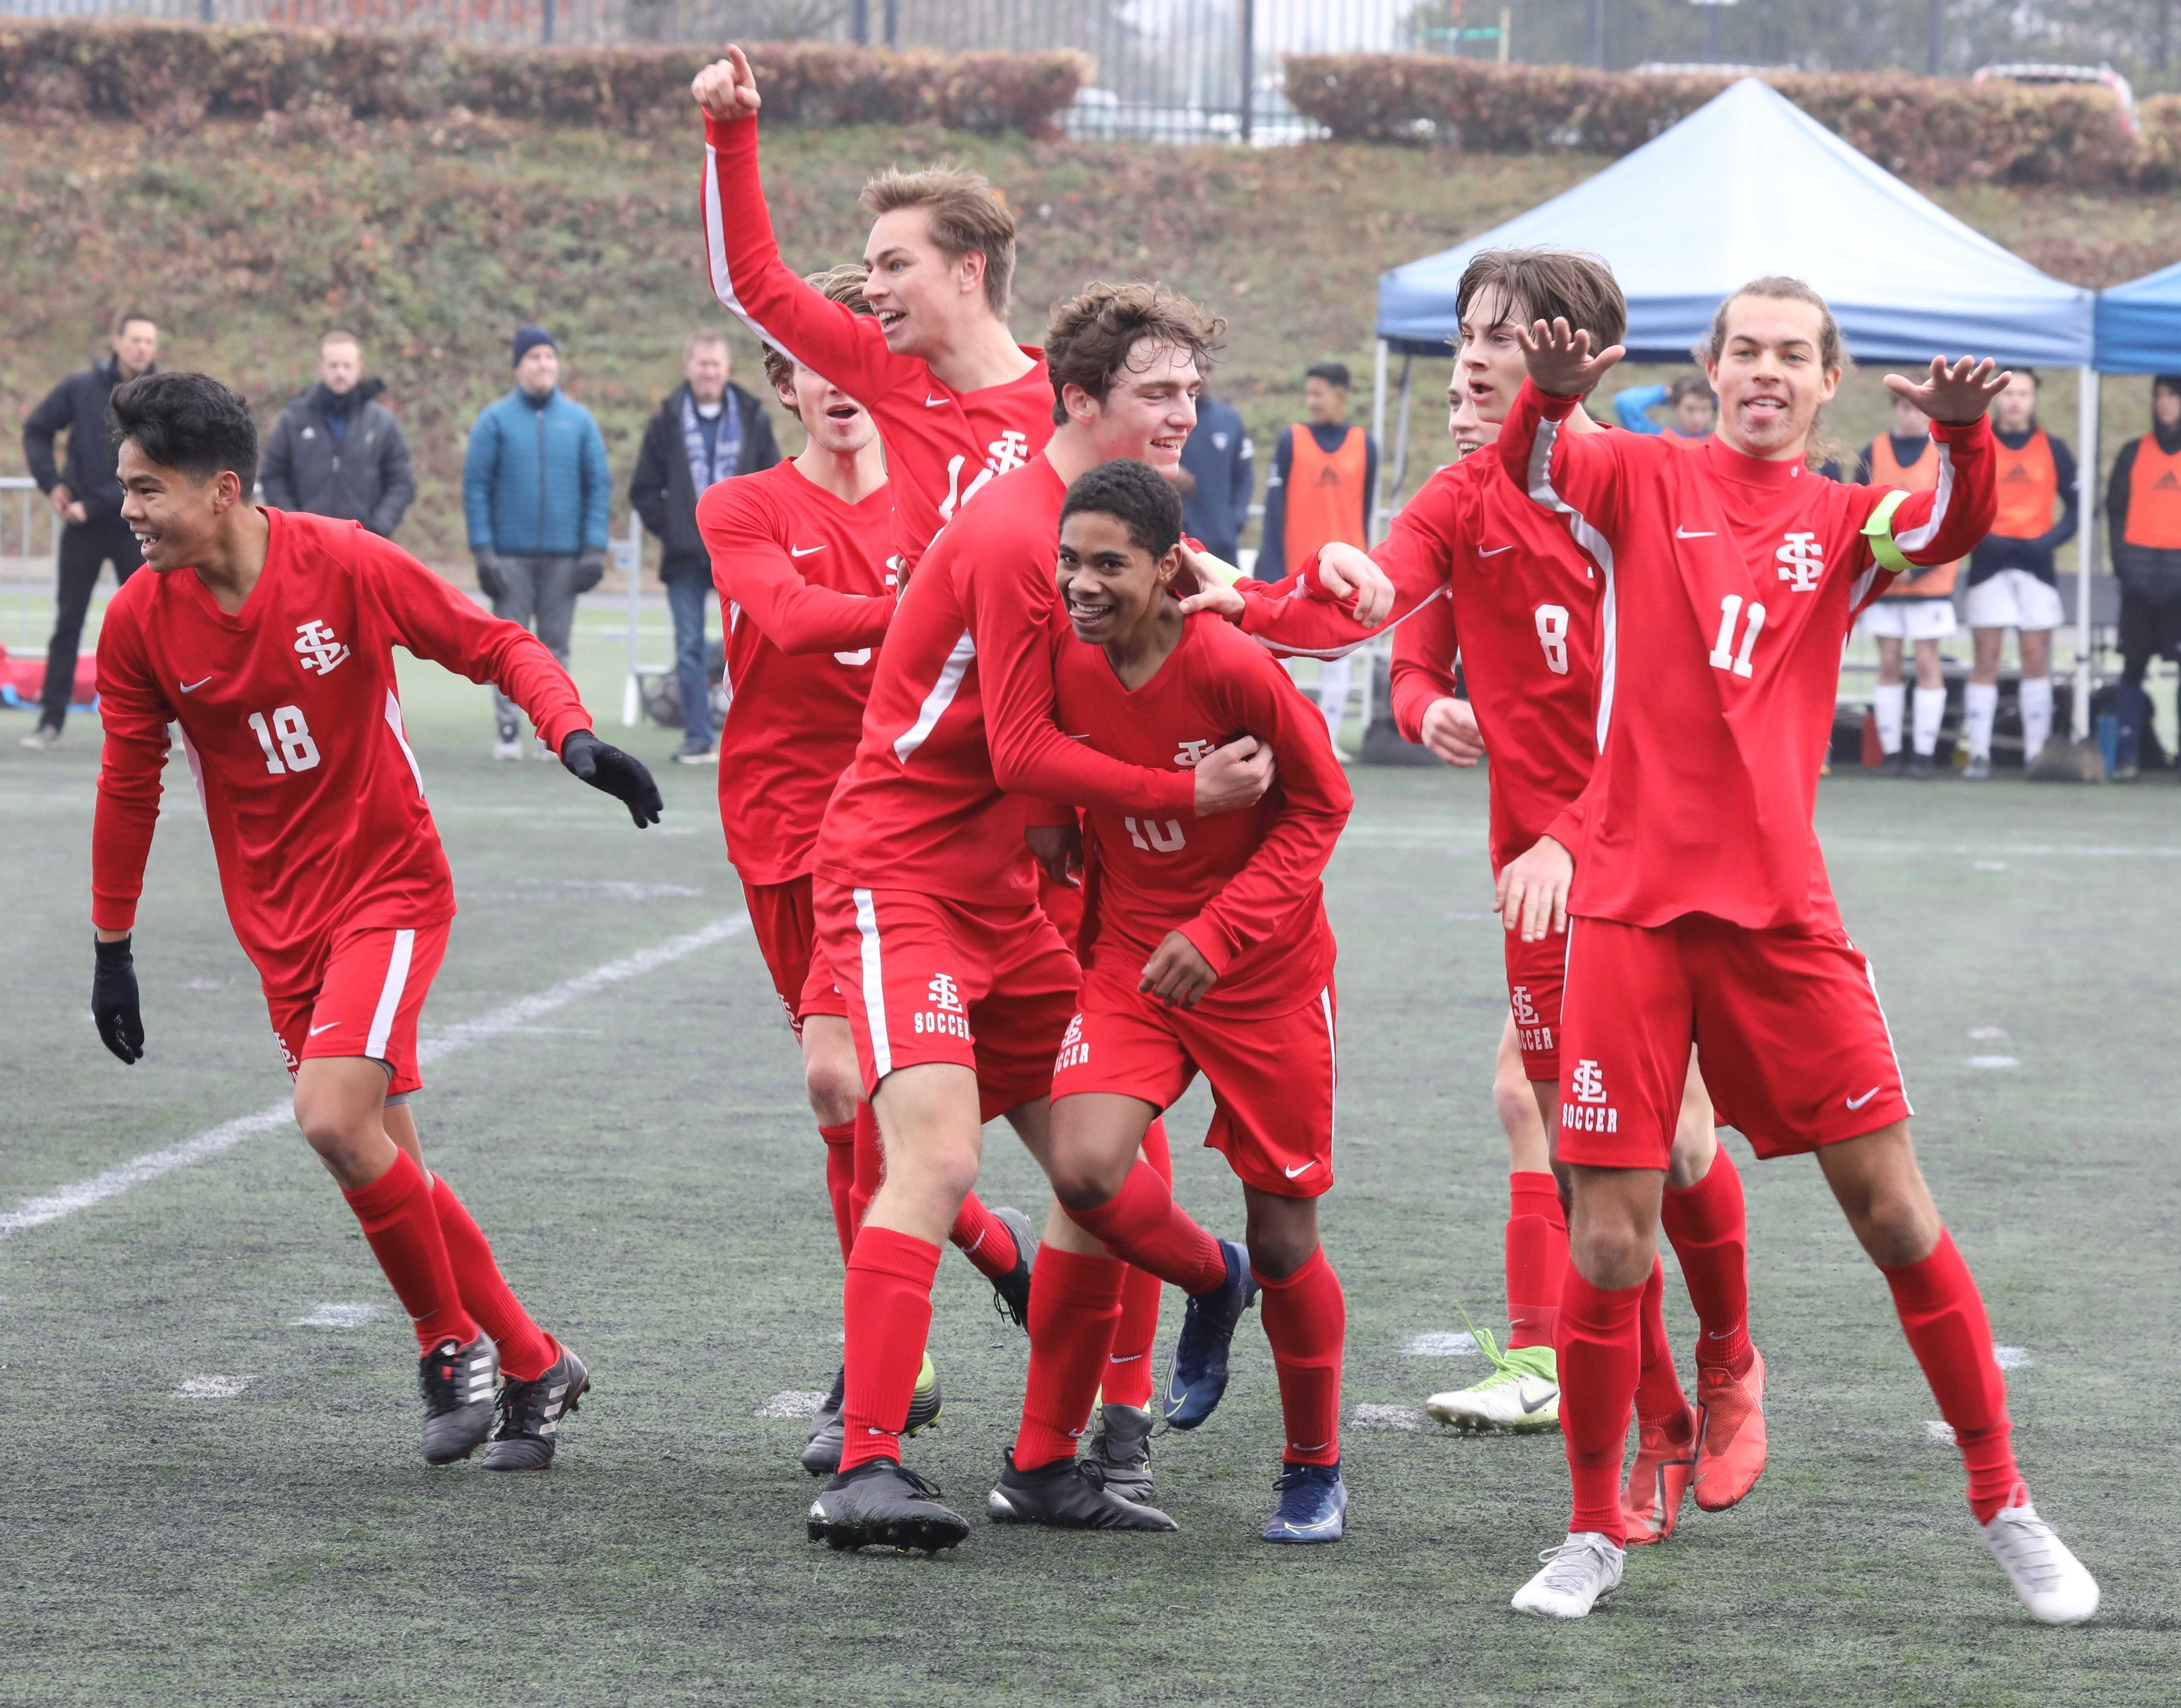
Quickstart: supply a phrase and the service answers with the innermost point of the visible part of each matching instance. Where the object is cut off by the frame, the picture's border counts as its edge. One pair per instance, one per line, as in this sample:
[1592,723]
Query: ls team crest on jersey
[1531,1034]
[946,1016]
[1589,1113]
[318,646]
[1802,562]
[1193,753]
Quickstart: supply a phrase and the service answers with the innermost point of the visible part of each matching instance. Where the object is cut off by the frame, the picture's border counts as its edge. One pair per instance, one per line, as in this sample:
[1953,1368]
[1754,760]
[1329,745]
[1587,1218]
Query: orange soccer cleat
[1731,1439]
[1657,1481]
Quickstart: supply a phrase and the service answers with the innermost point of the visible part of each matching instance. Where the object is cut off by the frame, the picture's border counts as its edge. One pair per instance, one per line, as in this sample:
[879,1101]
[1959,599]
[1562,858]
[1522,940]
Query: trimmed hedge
[174,74]
[1932,130]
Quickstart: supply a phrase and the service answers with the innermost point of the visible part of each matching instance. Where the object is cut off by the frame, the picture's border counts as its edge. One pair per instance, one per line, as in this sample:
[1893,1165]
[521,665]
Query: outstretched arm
[1561,470]
[1918,529]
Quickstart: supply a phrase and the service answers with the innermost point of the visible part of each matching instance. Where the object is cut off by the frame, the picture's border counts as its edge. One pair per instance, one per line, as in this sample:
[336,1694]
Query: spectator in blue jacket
[534,489]
[1218,473]
[1689,411]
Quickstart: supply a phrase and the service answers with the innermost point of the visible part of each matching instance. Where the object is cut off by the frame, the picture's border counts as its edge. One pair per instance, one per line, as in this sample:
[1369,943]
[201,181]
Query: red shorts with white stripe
[1274,1079]
[788,938]
[930,979]
[366,1003]
[1796,1050]
[1534,975]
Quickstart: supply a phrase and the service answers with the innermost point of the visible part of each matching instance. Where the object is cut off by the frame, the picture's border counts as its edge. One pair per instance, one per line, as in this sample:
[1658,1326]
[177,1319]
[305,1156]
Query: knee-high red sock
[886,1307]
[403,1229]
[1943,1315]
[1307,1321]
[1536,1256]
[983,1238]
[1143,1225]
[1129,1376]
[1599,1358]
[527,1352]
[841,1180]
[870,1168]
[1710,1236]
[1659,1396]
[1075,1302]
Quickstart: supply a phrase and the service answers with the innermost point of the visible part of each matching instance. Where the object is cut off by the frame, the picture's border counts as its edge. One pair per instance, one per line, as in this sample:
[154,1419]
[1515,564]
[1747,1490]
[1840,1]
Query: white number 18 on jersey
[289,739]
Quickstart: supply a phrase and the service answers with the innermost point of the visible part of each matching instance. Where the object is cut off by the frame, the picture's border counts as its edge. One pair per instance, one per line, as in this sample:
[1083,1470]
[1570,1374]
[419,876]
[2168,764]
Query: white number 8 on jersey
[1552,636]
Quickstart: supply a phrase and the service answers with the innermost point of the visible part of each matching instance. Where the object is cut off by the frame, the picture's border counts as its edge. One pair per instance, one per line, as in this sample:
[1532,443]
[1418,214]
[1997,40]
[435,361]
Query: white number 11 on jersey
[1730,608]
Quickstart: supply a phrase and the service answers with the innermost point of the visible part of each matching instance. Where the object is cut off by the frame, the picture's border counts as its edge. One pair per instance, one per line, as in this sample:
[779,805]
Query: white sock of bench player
[1979,710]
[1929,709]
[2036,715]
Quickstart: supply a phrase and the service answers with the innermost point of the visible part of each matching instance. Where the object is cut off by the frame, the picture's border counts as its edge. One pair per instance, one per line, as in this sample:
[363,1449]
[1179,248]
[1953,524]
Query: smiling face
[706,367]
[1468,428]
[1488,364]
[1108,584]
[836,422]
[923,296]
[1769,376]
[174,516]
[1148,410]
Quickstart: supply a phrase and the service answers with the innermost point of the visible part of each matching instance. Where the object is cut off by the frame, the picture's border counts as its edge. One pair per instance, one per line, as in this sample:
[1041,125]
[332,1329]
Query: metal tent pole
[1379,424]
[2086,534]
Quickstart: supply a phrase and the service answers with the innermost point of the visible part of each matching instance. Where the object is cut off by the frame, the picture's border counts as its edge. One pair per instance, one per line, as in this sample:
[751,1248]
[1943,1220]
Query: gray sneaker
[1121,1449]
[44,736]
[1978,769]
[458,1382]
[530,1414]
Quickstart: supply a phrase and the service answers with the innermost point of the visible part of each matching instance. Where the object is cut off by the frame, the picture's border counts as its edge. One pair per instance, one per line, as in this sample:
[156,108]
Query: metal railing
[29,562]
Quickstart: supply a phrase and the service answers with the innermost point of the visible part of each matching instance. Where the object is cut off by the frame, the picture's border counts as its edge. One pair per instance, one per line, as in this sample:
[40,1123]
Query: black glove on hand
[590,570]
[621,775]
[490,582]
[113,1001]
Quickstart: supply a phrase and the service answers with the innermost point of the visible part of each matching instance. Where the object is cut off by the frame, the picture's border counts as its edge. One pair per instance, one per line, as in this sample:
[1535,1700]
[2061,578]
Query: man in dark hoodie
[706,430]
[336,451]
[2143,509]
[85,493]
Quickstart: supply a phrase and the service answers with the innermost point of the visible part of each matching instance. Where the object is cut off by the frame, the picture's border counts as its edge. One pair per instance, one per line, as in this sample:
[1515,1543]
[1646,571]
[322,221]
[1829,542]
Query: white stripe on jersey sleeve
[394,723]
[941,697]
[1916,539]
[715,257]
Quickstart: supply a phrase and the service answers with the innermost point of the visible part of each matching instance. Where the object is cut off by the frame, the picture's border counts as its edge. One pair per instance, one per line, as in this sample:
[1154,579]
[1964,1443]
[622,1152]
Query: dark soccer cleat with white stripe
[821,1449]
[530,1414]
[1313,1506]
[1068,1495]
[1197,1377]
[882,1505]
[1011,1291]
[457,1381]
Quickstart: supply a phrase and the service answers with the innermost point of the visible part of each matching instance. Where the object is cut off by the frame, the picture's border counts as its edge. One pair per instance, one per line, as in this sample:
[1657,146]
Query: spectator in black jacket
[2143,509]
[336,451]
[85,493]
[705,431]
[1218,472]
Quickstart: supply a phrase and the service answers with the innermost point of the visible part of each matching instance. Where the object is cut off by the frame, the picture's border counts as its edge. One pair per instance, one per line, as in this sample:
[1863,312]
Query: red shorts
[787,937]
[1796,1050]
[930,979]
[365,1002]
[1273,1080]
[1534,975]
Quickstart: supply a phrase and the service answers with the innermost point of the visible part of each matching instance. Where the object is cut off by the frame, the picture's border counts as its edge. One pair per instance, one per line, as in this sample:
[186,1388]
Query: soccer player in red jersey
[1209,952]
[1700,901]
[798,555]
[958,987]
[268,636]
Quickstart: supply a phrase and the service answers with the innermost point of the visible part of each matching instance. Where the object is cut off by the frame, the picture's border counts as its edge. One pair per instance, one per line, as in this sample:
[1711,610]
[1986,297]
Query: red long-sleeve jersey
[961,715]
[942,445]
[802,577]
[292,722]
[1246,888]
[1730,584]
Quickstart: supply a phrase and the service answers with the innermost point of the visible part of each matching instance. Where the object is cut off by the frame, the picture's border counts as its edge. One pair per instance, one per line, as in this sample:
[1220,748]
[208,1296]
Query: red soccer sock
[983,1238]
[1599,1358]
[871,1167]
[1075,1302]
[886,1307]
[1659,1396]
[1710,1236]
[1128,1375]
[841,1180]
[1144,1225]
[527,1352]
[399,1222]
[1306,1320]
[1943,1315]
[1536,1257]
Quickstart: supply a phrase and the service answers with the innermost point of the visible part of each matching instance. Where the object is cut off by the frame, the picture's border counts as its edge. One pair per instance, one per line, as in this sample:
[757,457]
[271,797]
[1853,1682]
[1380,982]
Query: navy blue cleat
[1197,1378]
[1313,1504]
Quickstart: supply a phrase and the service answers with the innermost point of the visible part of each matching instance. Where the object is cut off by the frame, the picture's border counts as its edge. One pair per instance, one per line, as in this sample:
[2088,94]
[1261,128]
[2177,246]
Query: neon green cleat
[1521,1395]
[923,1403]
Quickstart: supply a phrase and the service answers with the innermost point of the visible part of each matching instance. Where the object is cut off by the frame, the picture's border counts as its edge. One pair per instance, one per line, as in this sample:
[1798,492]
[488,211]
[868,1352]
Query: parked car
[2050,75]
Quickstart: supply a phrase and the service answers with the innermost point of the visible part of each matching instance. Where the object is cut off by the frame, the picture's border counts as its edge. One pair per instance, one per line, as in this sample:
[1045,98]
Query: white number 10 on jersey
[288,739]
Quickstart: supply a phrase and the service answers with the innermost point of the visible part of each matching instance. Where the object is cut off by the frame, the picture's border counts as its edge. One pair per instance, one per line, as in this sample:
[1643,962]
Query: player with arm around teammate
[1700,901]
[269,637]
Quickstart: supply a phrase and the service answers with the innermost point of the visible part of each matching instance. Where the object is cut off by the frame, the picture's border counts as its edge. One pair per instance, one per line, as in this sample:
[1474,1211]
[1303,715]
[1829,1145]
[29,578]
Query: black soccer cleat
[1197,1377]
[821,1450]
[1011,1291]
[1068,1495]
[457,1381]
[530,1414]
[1121,1449]
[882,1505]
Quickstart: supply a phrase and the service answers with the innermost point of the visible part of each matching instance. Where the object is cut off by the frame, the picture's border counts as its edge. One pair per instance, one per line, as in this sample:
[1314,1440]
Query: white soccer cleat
[1522,1394]
[507,749]
[2054,1585]
[1578,1575]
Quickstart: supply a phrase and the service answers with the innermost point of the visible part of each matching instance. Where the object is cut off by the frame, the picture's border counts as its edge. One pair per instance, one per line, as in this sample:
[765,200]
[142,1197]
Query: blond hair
[966,216]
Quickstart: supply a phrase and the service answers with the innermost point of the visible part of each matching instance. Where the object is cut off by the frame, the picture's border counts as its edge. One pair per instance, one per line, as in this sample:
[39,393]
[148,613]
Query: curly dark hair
[1093,337]
[1135,495]
[188,422]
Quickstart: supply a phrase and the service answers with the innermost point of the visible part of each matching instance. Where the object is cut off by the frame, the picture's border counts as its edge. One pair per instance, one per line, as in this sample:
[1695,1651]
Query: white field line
[211,1388]
[515,1017]
[796,1402]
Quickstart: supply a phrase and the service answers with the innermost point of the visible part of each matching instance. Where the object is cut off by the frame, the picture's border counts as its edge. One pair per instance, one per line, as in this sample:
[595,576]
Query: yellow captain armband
[1879,531]
[1219,567]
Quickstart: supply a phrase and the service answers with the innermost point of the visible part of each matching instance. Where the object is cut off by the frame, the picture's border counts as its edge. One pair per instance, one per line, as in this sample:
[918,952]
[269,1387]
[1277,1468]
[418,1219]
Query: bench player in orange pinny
[269,639]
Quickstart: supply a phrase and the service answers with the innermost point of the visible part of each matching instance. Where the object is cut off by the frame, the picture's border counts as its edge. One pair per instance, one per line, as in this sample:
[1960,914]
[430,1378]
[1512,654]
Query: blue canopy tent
[1750,184]
[2139,325]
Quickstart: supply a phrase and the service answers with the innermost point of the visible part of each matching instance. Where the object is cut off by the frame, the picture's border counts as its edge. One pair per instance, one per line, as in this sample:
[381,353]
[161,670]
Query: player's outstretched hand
[1956,395]
[1559,358]
[1533,891]
[1059,849]
[727,88]
[1208,583]
[1449,731]
[114,1002]
[1177,974]
[1232,777]
[1346,576]
[621,775]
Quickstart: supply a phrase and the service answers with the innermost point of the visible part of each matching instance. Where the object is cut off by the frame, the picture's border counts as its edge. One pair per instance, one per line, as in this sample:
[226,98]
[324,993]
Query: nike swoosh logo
[1117,1359]
[1857,1102]
[192,686]
[1304,1170]
[1696,534]
[935,402]
[1495,551]
[327,1027]
[803,550]
[1539,1404]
